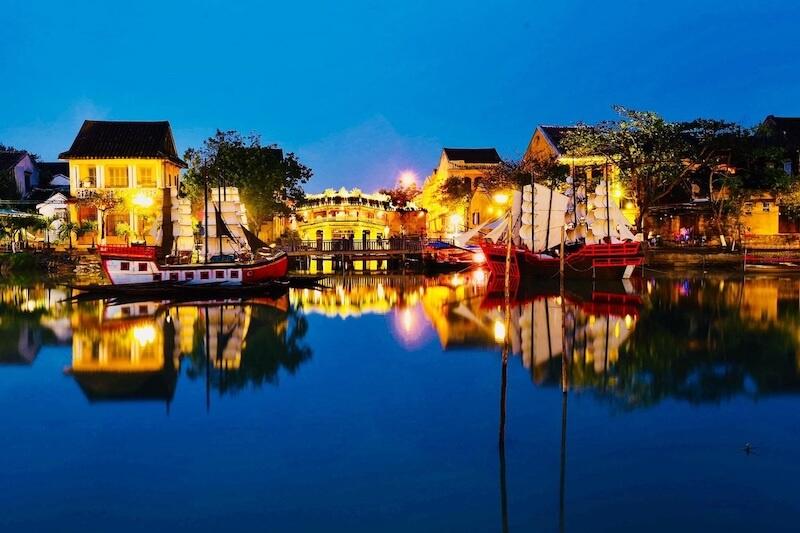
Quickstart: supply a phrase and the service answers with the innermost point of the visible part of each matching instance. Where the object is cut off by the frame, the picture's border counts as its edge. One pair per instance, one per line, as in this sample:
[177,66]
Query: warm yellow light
[479,275]
[407,320]
[478,257]
[407,178]
[617,192]
[499,331]
[455,219]
[144,335]
[500,198]
[143,200]
[628,320]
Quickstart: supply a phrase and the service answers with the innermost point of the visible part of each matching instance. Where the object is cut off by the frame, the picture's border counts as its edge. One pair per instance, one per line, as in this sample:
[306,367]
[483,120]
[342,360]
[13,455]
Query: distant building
[355,215]
[18,175]
[138,163]
[785,133]
[53,175]
[473,164]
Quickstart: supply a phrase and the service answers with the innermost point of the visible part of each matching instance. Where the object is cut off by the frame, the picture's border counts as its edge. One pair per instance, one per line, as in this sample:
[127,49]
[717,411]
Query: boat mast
[219,210]
[205,214]
[608,205]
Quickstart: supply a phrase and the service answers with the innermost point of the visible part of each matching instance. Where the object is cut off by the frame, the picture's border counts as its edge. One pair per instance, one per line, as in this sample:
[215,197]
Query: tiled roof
[105,139]
[473,155]
[555,134]
[10,159]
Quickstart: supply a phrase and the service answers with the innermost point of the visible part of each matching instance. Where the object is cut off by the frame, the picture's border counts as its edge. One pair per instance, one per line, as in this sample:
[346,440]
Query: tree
[87,227]
[270,183]
[103,201]
[401,195]
[67,229]
[648,151]
[456,191]
[515,174]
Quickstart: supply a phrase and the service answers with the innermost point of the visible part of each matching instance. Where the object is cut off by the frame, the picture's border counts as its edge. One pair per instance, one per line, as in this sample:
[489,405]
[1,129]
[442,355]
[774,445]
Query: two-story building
[472,164]
[134,162]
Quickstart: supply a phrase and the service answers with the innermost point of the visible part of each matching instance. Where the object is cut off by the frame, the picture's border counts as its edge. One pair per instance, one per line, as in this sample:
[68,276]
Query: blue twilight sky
[362,90]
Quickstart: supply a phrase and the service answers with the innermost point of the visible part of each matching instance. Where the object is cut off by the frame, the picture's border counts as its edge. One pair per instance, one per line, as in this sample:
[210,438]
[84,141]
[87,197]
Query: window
[124,265]
[748,208]
[113,220]
[145,177]
[787,167]
[219,274]
[476,218]
[204,275]
[142,267]
[88,176]
[765,207]
[156,277]
[234,274]
[117,177]
[173,276]
[189,276]
[142,309]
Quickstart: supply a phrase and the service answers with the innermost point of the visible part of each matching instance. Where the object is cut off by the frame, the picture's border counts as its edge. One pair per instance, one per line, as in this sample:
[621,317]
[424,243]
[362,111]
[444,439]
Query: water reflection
[699,340]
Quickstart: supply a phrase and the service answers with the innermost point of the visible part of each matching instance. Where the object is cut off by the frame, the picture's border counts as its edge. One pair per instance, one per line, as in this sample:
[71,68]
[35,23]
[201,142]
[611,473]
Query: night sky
[364,90]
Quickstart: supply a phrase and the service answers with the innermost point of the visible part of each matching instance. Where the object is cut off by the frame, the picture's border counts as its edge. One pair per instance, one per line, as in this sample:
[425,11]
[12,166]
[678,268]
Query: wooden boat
[135,265]
[597,244]
[775,262]
[441,256]
[589,261]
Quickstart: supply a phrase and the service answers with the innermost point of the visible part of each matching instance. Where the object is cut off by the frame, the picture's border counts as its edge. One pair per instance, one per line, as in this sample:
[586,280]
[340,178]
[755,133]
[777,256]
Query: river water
[382,403]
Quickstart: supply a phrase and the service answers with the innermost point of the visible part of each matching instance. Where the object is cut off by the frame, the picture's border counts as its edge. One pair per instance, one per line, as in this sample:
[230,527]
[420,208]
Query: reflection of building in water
[352,296]
[452,303]
[124,352]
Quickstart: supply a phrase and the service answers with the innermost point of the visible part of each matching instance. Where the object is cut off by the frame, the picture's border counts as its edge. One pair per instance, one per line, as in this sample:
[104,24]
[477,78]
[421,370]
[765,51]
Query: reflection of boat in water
[592,321]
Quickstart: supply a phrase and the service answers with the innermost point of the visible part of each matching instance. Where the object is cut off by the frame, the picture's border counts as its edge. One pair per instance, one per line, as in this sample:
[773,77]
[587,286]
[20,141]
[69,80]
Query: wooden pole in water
[561,260]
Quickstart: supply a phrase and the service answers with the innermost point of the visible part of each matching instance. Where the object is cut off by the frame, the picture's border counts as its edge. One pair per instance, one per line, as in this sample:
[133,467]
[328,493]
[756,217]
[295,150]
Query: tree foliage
[402,195]
[658,159]
[269,182]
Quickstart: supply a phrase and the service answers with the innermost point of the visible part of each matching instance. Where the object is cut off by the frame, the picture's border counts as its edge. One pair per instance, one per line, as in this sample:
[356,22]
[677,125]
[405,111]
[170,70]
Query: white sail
[605,218]
[543,216]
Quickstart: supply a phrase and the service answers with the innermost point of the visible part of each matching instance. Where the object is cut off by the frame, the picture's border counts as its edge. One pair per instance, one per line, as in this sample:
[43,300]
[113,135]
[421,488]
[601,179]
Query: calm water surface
[375,405]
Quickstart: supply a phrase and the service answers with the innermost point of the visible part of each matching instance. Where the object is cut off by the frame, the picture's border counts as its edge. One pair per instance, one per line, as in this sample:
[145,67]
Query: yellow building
[546,143]
[344,214]
[136,163]
[474,164]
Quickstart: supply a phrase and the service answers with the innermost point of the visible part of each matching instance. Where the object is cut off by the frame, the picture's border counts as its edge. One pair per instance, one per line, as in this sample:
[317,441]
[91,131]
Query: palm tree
[88,226]
[47,224]
[66,230]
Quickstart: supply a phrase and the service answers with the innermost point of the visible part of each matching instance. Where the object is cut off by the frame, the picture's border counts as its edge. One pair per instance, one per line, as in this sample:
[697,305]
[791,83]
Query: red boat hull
[592,261]
[258,273]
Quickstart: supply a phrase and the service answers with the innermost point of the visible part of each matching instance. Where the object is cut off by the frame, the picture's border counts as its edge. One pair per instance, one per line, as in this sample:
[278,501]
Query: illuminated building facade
[473,164]
[354,214]
[137,163]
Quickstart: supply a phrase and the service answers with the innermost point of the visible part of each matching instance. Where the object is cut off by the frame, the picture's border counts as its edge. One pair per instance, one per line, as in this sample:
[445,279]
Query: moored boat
[129,265]
[589,229]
